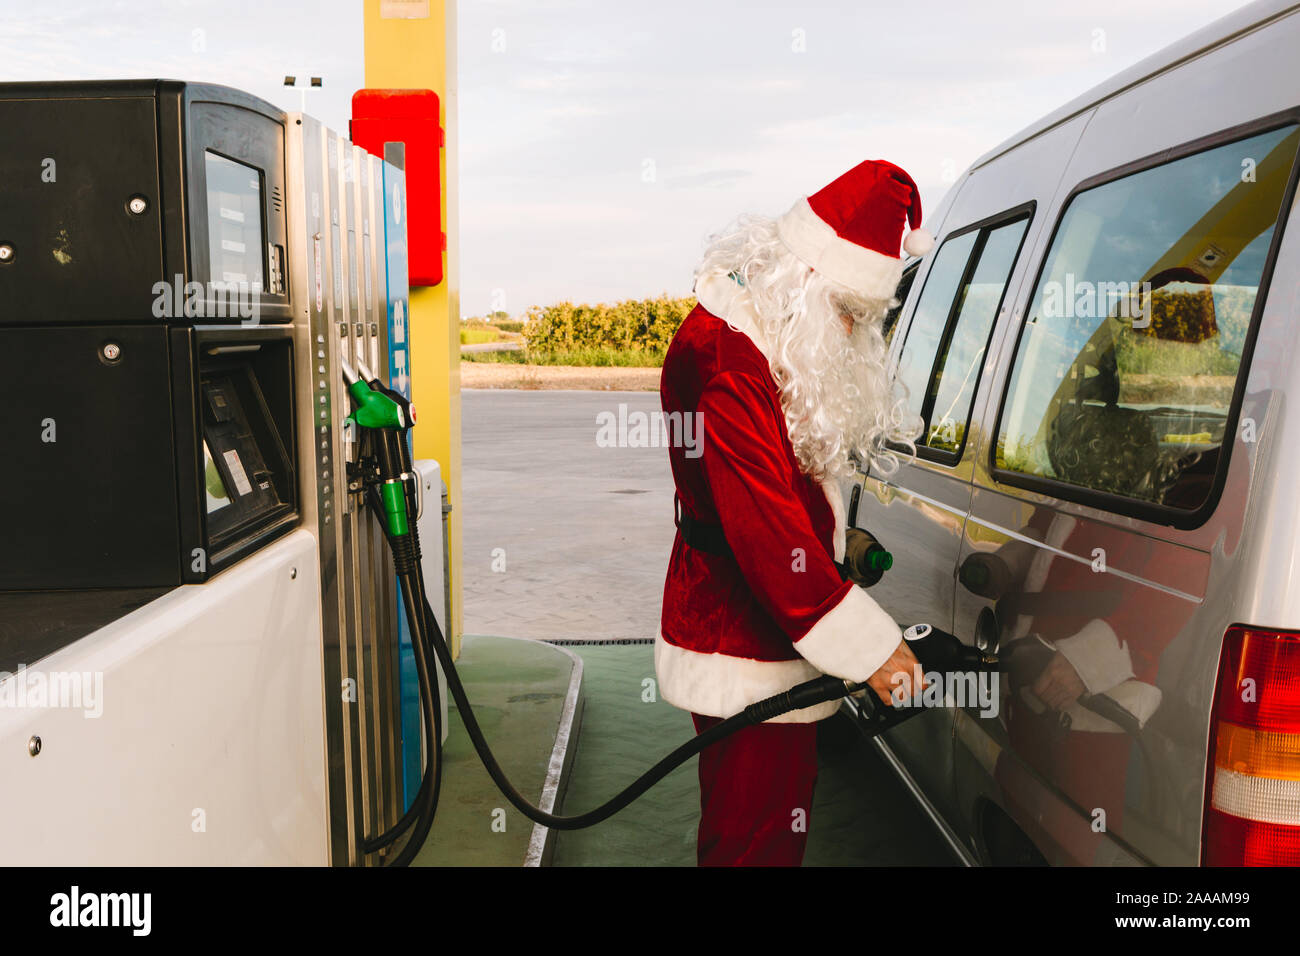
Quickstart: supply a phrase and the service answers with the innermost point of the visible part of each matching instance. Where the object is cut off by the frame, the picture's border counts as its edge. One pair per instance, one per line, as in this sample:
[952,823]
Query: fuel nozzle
[389,415]
[937,652]
[940,651]
[865,558]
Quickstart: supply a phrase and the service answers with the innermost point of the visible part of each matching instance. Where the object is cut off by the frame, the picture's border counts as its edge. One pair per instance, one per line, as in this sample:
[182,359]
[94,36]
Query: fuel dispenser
[185,270]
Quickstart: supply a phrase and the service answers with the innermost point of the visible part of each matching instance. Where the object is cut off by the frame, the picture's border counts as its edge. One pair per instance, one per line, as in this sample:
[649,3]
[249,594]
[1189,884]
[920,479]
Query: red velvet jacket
[736,629]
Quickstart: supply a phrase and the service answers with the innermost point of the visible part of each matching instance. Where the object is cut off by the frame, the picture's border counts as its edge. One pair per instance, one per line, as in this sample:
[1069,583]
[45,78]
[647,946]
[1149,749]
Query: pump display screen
[235,240]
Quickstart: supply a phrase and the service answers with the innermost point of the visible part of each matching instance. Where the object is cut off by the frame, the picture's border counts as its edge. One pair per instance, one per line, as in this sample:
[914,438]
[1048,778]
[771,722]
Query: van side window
[890,324]
[946,342]
[1127,363]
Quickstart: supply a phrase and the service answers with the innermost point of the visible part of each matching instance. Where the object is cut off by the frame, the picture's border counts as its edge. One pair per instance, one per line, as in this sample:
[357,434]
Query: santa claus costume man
[785,366]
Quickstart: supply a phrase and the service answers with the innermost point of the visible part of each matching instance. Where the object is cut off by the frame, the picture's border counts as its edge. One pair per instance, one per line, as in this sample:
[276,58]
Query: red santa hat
[850,230]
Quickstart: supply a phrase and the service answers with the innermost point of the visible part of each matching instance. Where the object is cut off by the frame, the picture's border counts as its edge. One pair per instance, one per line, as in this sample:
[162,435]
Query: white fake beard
[837,389]
[832,389]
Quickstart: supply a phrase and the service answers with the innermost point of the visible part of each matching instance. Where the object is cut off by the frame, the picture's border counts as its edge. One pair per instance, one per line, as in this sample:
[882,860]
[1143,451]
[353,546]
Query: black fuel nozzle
[865,558]
[940,651]
[937,652]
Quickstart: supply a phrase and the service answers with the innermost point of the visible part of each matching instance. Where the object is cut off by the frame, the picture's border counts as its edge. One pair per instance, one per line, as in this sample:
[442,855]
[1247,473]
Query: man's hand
[1058,686]
[885,680]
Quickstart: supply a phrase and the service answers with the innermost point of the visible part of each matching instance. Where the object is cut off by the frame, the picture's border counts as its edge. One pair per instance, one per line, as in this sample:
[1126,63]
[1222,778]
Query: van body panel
[1090,786]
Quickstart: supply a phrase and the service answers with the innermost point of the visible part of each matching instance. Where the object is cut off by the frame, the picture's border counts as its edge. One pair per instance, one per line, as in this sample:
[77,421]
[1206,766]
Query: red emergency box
[409,117]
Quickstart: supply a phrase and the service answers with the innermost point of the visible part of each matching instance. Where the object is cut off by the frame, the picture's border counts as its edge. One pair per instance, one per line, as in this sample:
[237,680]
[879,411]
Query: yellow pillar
[410,45]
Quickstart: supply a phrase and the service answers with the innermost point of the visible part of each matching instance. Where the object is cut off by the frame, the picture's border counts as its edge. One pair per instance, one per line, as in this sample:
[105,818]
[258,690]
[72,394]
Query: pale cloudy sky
[601,141]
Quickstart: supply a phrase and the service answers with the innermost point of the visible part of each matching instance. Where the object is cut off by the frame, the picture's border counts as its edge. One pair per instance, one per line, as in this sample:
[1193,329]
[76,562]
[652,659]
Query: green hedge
[586,358]
[646,325]
[479,336]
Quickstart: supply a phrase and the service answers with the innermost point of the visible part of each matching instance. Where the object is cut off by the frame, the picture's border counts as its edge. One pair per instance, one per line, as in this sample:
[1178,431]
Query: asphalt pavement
[562,538]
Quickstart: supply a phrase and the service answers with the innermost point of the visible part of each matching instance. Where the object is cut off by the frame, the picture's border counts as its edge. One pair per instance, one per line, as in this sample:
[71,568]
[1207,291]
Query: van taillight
[1252,798]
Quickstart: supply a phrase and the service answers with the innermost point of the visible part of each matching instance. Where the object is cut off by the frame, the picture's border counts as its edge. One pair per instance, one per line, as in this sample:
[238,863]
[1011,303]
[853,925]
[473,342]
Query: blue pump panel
[395,272]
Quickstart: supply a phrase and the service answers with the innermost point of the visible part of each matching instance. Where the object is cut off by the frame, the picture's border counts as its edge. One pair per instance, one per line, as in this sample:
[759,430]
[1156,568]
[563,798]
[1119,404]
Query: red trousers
[756,791]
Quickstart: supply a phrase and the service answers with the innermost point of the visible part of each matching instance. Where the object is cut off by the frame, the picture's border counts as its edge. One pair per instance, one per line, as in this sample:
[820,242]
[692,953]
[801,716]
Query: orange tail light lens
[1252,805]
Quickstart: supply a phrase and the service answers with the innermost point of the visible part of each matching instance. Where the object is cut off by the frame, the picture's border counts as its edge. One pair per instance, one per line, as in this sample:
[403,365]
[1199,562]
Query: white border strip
[564,734]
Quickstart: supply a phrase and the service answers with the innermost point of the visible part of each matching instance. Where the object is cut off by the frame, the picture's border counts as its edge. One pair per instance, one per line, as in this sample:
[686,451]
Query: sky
[602,141]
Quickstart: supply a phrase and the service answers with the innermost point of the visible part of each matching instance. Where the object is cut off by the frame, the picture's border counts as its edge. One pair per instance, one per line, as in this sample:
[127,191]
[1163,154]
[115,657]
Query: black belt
[699,535]
[710,539]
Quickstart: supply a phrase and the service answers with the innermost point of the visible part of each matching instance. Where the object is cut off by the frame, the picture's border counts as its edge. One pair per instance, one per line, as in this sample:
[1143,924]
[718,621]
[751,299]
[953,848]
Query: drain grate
[579,642]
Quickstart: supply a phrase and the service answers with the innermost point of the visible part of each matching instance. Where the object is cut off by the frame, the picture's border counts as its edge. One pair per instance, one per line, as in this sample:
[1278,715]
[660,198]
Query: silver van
[1103,348]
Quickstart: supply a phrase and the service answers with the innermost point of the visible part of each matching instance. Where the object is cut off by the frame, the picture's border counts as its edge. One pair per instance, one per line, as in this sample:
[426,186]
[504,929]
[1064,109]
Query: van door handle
[988,632]
[855,497]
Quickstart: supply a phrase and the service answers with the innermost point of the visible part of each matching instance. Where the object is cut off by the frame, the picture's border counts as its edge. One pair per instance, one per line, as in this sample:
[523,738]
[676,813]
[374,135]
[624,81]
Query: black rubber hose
[804,695]
[406,551]
[413,597]
[376,843]
[427,778]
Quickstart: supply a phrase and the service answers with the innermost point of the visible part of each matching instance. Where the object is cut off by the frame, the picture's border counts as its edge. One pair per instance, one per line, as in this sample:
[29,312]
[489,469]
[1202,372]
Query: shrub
[646,325]
[474,336]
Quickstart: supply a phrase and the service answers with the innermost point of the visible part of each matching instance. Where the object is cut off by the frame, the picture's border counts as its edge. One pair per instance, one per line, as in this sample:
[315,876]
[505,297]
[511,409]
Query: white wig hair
[839,394]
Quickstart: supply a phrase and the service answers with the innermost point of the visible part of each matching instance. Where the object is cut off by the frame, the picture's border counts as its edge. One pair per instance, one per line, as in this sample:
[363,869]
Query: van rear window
[1128,361]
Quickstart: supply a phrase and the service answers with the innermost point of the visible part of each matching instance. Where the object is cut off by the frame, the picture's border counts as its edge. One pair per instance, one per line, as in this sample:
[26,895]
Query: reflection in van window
[890,324]
[946,341]
[931,318]
[947,410]
[1126,367]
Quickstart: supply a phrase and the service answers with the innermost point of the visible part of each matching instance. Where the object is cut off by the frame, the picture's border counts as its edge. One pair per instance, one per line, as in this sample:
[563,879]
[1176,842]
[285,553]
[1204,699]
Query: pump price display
[234,222]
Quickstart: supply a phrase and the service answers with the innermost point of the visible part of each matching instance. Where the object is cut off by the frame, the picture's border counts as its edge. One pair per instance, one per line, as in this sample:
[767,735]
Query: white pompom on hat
[918,242]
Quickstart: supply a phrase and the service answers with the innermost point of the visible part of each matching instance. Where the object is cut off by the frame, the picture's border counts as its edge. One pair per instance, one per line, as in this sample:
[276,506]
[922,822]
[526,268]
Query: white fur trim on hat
[812,239]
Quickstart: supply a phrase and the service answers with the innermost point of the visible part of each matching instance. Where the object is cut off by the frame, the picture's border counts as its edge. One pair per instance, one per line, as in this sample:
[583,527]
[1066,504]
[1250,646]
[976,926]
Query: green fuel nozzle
[376,406]
[389,415]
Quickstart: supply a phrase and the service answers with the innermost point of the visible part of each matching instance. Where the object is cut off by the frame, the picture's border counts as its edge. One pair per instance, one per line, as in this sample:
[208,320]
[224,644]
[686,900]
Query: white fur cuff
[1097,656]
[1139,699]
[719,686]
[853,639]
